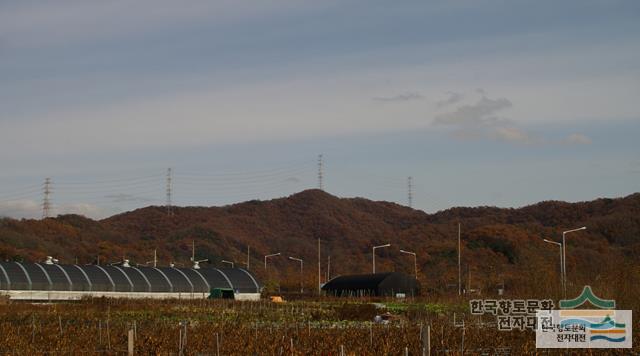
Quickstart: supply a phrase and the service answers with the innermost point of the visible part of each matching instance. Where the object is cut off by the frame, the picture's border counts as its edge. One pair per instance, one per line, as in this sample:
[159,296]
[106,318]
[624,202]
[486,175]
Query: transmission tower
[169,191]
[46,201]
[410,192]
[320,174]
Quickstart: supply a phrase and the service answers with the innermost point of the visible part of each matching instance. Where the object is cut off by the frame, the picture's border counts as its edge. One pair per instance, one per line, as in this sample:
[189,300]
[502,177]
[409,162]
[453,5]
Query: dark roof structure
[378,284]
[18,276]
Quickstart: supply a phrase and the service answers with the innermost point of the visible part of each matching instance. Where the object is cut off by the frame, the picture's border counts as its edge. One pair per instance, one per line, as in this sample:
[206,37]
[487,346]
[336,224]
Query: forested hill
[497,244]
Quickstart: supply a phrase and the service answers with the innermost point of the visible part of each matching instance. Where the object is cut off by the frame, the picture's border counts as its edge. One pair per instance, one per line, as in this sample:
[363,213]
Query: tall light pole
[459,270]
[561,261]
[228,262]
[319,270]
[301,272]
[564,258]
[374,255]
[248,255]
[415,260]
[267,256]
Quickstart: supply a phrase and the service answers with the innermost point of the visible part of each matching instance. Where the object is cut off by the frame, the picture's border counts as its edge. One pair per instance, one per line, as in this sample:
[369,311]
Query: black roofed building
[48,281]
[379,284]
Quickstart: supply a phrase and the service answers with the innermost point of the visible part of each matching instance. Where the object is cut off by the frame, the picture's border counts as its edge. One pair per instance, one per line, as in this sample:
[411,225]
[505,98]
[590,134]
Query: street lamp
[301,274]
[196,263]
[561,259]
[415,260]
[564,258]
[374,255]
[229,262]
[267,256]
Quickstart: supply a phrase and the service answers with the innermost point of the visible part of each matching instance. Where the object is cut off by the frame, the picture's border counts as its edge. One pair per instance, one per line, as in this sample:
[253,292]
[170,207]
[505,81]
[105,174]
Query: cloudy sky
[500,103]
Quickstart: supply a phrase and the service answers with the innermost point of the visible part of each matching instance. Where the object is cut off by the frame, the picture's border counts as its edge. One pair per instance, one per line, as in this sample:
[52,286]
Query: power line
[17,195]
[201,194]
[292,174]
[115,181]
[230,198]
[233,175]
[248,179]
[124,187]
[191,187]
[390,188]
[135,190]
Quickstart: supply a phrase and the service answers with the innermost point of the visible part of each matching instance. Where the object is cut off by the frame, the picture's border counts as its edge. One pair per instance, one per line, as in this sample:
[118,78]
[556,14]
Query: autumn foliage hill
[499,246]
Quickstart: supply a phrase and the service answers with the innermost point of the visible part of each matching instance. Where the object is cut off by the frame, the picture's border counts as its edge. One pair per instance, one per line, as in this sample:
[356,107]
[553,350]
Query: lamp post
[459,261]
[301,273]
[267,256]
[228,262]
[564,259]
[374,255]
[415,261]
[561,264]
[196,263]
[319,270]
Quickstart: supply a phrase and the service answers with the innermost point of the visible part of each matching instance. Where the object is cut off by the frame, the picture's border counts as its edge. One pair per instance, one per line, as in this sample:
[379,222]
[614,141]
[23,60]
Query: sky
[482,103]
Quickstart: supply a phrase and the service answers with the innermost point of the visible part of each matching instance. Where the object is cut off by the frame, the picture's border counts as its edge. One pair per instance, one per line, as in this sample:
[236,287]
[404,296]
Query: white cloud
[401,97]
[512,135]
[31,209]
[481,113]
[578,139]
[85,209]
[481,121]
[452,99]
[507,134]
[21,209]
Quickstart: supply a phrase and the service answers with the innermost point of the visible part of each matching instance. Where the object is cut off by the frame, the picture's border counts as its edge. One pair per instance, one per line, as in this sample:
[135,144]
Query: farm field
[218,327]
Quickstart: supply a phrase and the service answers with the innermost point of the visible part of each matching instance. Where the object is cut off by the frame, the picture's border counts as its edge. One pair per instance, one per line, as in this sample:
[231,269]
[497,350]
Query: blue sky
[482,102]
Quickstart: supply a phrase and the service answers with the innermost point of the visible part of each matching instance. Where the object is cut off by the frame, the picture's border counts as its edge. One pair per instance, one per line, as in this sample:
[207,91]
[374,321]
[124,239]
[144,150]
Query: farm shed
[378,284]
[48,281]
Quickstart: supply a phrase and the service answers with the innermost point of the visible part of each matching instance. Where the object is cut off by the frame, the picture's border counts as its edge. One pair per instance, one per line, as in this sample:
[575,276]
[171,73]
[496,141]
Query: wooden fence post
[33,329]
[426,341]
[217,345]
[130,336]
